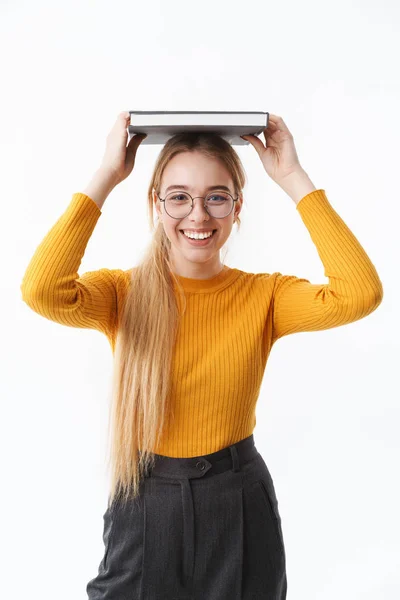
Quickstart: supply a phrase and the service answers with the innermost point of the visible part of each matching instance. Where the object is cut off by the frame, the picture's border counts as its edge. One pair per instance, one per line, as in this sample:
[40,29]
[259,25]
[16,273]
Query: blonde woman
[192,511]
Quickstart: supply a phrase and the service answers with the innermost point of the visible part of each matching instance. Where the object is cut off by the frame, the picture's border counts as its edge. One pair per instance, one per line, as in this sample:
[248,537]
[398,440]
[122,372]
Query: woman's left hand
[279,156]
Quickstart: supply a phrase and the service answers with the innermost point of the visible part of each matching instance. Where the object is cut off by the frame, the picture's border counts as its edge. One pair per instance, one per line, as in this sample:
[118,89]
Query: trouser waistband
[231,457]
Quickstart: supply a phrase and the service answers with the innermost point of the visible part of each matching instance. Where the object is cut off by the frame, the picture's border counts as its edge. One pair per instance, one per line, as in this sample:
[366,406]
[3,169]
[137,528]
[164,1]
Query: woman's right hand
[119,159]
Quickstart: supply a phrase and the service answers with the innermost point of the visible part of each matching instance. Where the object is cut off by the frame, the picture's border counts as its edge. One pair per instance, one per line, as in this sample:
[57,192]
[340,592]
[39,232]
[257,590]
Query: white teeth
[198,236]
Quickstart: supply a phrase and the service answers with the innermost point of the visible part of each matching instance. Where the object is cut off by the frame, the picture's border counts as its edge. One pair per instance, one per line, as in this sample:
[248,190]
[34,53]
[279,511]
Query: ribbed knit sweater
[230,323]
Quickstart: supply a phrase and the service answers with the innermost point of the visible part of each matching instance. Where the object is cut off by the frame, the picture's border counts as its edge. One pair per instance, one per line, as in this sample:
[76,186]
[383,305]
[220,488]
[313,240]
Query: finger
[122,119]
[280,123]
[121,122]
[272,127]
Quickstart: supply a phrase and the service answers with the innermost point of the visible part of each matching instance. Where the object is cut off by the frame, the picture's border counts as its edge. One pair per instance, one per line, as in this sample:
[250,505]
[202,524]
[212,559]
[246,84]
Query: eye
[178,197]
[219,198]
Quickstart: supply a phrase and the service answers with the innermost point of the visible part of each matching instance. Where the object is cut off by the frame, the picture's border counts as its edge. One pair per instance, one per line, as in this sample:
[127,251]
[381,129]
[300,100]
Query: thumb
[134,144]
[256,142]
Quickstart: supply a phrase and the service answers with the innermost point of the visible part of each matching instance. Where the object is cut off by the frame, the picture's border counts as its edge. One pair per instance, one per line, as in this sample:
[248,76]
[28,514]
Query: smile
[198,242]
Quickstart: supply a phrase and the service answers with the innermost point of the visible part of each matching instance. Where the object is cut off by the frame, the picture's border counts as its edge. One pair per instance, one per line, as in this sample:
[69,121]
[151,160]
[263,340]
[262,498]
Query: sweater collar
[224,278]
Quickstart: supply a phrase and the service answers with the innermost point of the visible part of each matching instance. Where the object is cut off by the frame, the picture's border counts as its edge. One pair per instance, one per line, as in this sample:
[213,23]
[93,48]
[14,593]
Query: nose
[198,212]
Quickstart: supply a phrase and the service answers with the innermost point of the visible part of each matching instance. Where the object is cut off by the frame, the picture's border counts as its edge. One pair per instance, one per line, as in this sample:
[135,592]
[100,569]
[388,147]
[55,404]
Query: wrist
[100,186]
[107,176]
[297,185]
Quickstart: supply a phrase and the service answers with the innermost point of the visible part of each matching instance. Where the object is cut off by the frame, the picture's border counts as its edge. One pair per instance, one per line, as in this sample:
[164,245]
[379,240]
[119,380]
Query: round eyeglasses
[218,204]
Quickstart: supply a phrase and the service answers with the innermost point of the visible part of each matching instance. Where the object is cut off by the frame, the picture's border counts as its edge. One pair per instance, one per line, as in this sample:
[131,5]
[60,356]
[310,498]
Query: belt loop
[235,458]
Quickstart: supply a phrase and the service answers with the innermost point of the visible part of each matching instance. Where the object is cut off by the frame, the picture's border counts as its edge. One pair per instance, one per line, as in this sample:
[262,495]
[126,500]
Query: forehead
[195,172]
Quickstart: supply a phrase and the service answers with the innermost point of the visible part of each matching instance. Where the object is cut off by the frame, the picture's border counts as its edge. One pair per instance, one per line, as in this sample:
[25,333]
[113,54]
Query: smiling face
[198,173]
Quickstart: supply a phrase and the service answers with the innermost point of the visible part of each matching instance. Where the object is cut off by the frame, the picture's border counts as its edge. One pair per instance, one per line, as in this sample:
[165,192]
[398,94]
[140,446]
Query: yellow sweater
[230,323]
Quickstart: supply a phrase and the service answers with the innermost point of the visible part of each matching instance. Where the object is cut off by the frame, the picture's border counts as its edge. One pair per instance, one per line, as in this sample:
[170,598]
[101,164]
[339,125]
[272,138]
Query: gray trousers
[202,528]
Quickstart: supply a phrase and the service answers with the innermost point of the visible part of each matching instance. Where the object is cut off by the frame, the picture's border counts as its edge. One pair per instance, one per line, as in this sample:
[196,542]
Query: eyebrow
[187,188]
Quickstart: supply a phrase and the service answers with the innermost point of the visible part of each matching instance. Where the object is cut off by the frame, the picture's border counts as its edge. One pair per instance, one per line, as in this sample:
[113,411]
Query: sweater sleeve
[354,289]
[51,285]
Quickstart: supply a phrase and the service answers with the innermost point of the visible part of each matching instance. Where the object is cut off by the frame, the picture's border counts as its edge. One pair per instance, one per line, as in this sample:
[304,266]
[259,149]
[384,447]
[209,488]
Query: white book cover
[159,126]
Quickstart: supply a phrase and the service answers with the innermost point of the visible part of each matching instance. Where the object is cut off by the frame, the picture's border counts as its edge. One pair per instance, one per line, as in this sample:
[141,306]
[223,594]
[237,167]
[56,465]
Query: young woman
[192,511]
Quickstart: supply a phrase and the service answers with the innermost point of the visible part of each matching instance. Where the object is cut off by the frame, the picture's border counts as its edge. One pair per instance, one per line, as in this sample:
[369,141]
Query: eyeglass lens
[179,204]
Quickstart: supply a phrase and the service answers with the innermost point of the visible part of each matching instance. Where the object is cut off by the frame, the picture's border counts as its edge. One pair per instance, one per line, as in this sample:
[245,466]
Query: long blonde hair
[146,338]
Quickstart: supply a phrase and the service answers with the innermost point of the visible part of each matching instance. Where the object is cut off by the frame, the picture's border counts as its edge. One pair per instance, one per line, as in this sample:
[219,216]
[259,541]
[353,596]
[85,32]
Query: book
[161,125]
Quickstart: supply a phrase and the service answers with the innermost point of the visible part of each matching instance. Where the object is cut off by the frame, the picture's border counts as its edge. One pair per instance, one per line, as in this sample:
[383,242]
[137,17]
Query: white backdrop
[328,412]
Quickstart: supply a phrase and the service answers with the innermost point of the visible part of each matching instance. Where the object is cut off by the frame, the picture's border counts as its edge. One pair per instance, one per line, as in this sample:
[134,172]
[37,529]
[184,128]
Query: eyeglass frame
[204,205]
